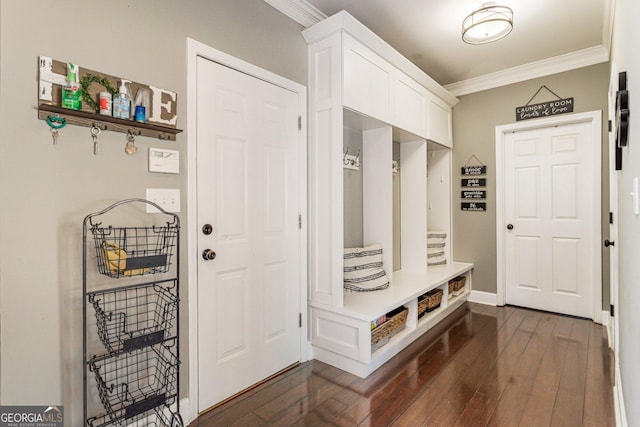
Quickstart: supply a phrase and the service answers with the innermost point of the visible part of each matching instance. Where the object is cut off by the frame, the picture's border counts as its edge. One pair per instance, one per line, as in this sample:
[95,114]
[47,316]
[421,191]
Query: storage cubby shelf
[406,287]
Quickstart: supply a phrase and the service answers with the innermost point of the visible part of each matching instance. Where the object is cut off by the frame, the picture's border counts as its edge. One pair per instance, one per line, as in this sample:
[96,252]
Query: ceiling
[549,36]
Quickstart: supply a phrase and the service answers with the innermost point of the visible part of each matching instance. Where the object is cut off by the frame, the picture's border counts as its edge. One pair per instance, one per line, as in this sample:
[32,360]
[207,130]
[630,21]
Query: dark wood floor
[488,366]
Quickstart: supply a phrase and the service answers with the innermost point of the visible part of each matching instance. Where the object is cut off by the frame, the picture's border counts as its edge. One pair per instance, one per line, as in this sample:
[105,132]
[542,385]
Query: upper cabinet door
[367,81]
[439,121]
[410,105]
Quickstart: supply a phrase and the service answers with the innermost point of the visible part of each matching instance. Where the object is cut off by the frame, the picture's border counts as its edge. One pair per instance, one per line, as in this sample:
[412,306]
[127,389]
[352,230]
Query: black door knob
[208,255]
[207,229]
[607,243]
[509,226]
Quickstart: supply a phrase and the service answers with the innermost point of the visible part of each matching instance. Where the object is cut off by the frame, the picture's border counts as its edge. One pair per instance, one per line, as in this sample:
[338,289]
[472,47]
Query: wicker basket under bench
[456,286]
[395,322]
[429,301]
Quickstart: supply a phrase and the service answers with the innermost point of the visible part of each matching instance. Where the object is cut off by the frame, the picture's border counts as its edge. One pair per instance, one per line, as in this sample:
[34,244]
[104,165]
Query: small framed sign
[474,206]
[473,182]
[474,170]
[473,194]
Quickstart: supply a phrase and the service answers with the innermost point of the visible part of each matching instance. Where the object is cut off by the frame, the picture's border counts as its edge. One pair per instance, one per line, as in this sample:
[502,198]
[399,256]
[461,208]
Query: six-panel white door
[248,191]
[549,210]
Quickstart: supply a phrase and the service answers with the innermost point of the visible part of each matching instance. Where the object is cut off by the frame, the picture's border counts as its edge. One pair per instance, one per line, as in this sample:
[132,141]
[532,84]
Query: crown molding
[557,64]
[300,11]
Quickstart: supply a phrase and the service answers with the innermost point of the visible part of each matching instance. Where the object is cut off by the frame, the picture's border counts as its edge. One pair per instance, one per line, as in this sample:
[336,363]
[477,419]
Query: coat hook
[344,158]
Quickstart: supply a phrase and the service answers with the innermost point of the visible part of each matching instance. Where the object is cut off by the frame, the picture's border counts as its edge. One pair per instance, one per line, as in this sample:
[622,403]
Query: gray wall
[474,120]
[625,55]
[46,191]
[352,196]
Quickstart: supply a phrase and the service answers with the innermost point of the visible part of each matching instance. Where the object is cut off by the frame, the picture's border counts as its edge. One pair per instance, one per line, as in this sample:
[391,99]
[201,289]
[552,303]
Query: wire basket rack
[135,379]
[135,317]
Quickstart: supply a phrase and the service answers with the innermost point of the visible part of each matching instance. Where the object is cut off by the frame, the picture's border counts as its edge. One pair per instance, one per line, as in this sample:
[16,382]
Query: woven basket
[429,301]
[381,334]
[456,286]
[452,288]
[460,282]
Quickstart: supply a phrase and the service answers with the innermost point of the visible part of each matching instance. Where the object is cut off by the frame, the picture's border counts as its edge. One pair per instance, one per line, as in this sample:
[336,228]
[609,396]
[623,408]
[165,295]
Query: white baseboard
[618,401]
[185,411]
[480,297]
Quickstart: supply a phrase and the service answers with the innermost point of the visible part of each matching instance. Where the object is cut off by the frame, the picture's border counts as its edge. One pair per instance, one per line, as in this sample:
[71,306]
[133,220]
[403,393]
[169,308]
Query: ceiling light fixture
[487,24]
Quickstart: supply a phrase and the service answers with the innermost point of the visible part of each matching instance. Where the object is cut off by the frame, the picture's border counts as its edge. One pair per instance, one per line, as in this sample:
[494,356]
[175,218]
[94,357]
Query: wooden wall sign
[53,75]
[474,170]
[544,109]
[471,186]
[473,194]
[474,206]
[473,182]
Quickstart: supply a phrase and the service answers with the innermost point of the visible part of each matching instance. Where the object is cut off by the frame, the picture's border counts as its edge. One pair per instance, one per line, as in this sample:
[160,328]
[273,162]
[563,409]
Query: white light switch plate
[167,198]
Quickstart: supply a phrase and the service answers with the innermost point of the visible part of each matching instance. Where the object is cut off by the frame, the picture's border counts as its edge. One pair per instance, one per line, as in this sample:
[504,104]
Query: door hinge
[610,126]
[611,310]
[300,320]
[610,217]
[299,221]
[299,122]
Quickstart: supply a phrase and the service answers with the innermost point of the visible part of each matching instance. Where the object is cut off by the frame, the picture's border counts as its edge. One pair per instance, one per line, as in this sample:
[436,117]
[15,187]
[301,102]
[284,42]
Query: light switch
[167,198]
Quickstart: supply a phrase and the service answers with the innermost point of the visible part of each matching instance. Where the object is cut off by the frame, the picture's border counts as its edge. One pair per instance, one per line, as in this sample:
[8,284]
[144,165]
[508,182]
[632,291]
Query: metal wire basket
[134,251]
[133,383]
[134,317]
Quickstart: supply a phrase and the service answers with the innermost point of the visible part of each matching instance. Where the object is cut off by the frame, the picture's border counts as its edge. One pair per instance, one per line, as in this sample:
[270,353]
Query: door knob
[509,226]
[207,229]
[607,243]
[208,255]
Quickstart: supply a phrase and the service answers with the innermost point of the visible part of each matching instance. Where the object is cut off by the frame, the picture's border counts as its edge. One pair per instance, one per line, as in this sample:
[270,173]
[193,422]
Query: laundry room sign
[544,109]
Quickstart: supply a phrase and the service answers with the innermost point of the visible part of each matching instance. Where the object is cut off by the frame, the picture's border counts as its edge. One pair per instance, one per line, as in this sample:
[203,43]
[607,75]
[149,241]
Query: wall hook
[344,158]
[351,161]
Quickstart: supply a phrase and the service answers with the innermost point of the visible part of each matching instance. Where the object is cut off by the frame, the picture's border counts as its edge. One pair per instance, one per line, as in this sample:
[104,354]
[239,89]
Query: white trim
[196,49]
[185,411]
[486,298]
[618,399]
[557,64]
[301,11]
[594,117]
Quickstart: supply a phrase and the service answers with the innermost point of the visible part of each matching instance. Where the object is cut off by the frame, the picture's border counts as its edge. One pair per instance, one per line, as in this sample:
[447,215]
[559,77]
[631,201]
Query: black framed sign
[473,182]
[473,194]
[473,170]
[474,206]
[544,109]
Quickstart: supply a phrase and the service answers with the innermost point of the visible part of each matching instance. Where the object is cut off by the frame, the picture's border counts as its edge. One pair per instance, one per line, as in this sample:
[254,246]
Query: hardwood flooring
[487,366]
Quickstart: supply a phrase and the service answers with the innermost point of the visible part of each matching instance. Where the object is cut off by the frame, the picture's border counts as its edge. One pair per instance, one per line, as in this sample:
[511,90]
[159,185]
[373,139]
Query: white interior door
[248,191]
[550,207]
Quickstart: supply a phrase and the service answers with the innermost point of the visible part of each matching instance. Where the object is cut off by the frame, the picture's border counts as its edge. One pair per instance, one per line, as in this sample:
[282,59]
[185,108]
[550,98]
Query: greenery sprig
[84,86]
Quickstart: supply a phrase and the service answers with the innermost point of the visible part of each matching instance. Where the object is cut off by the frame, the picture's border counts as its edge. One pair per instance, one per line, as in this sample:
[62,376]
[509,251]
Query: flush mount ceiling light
[487,24]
